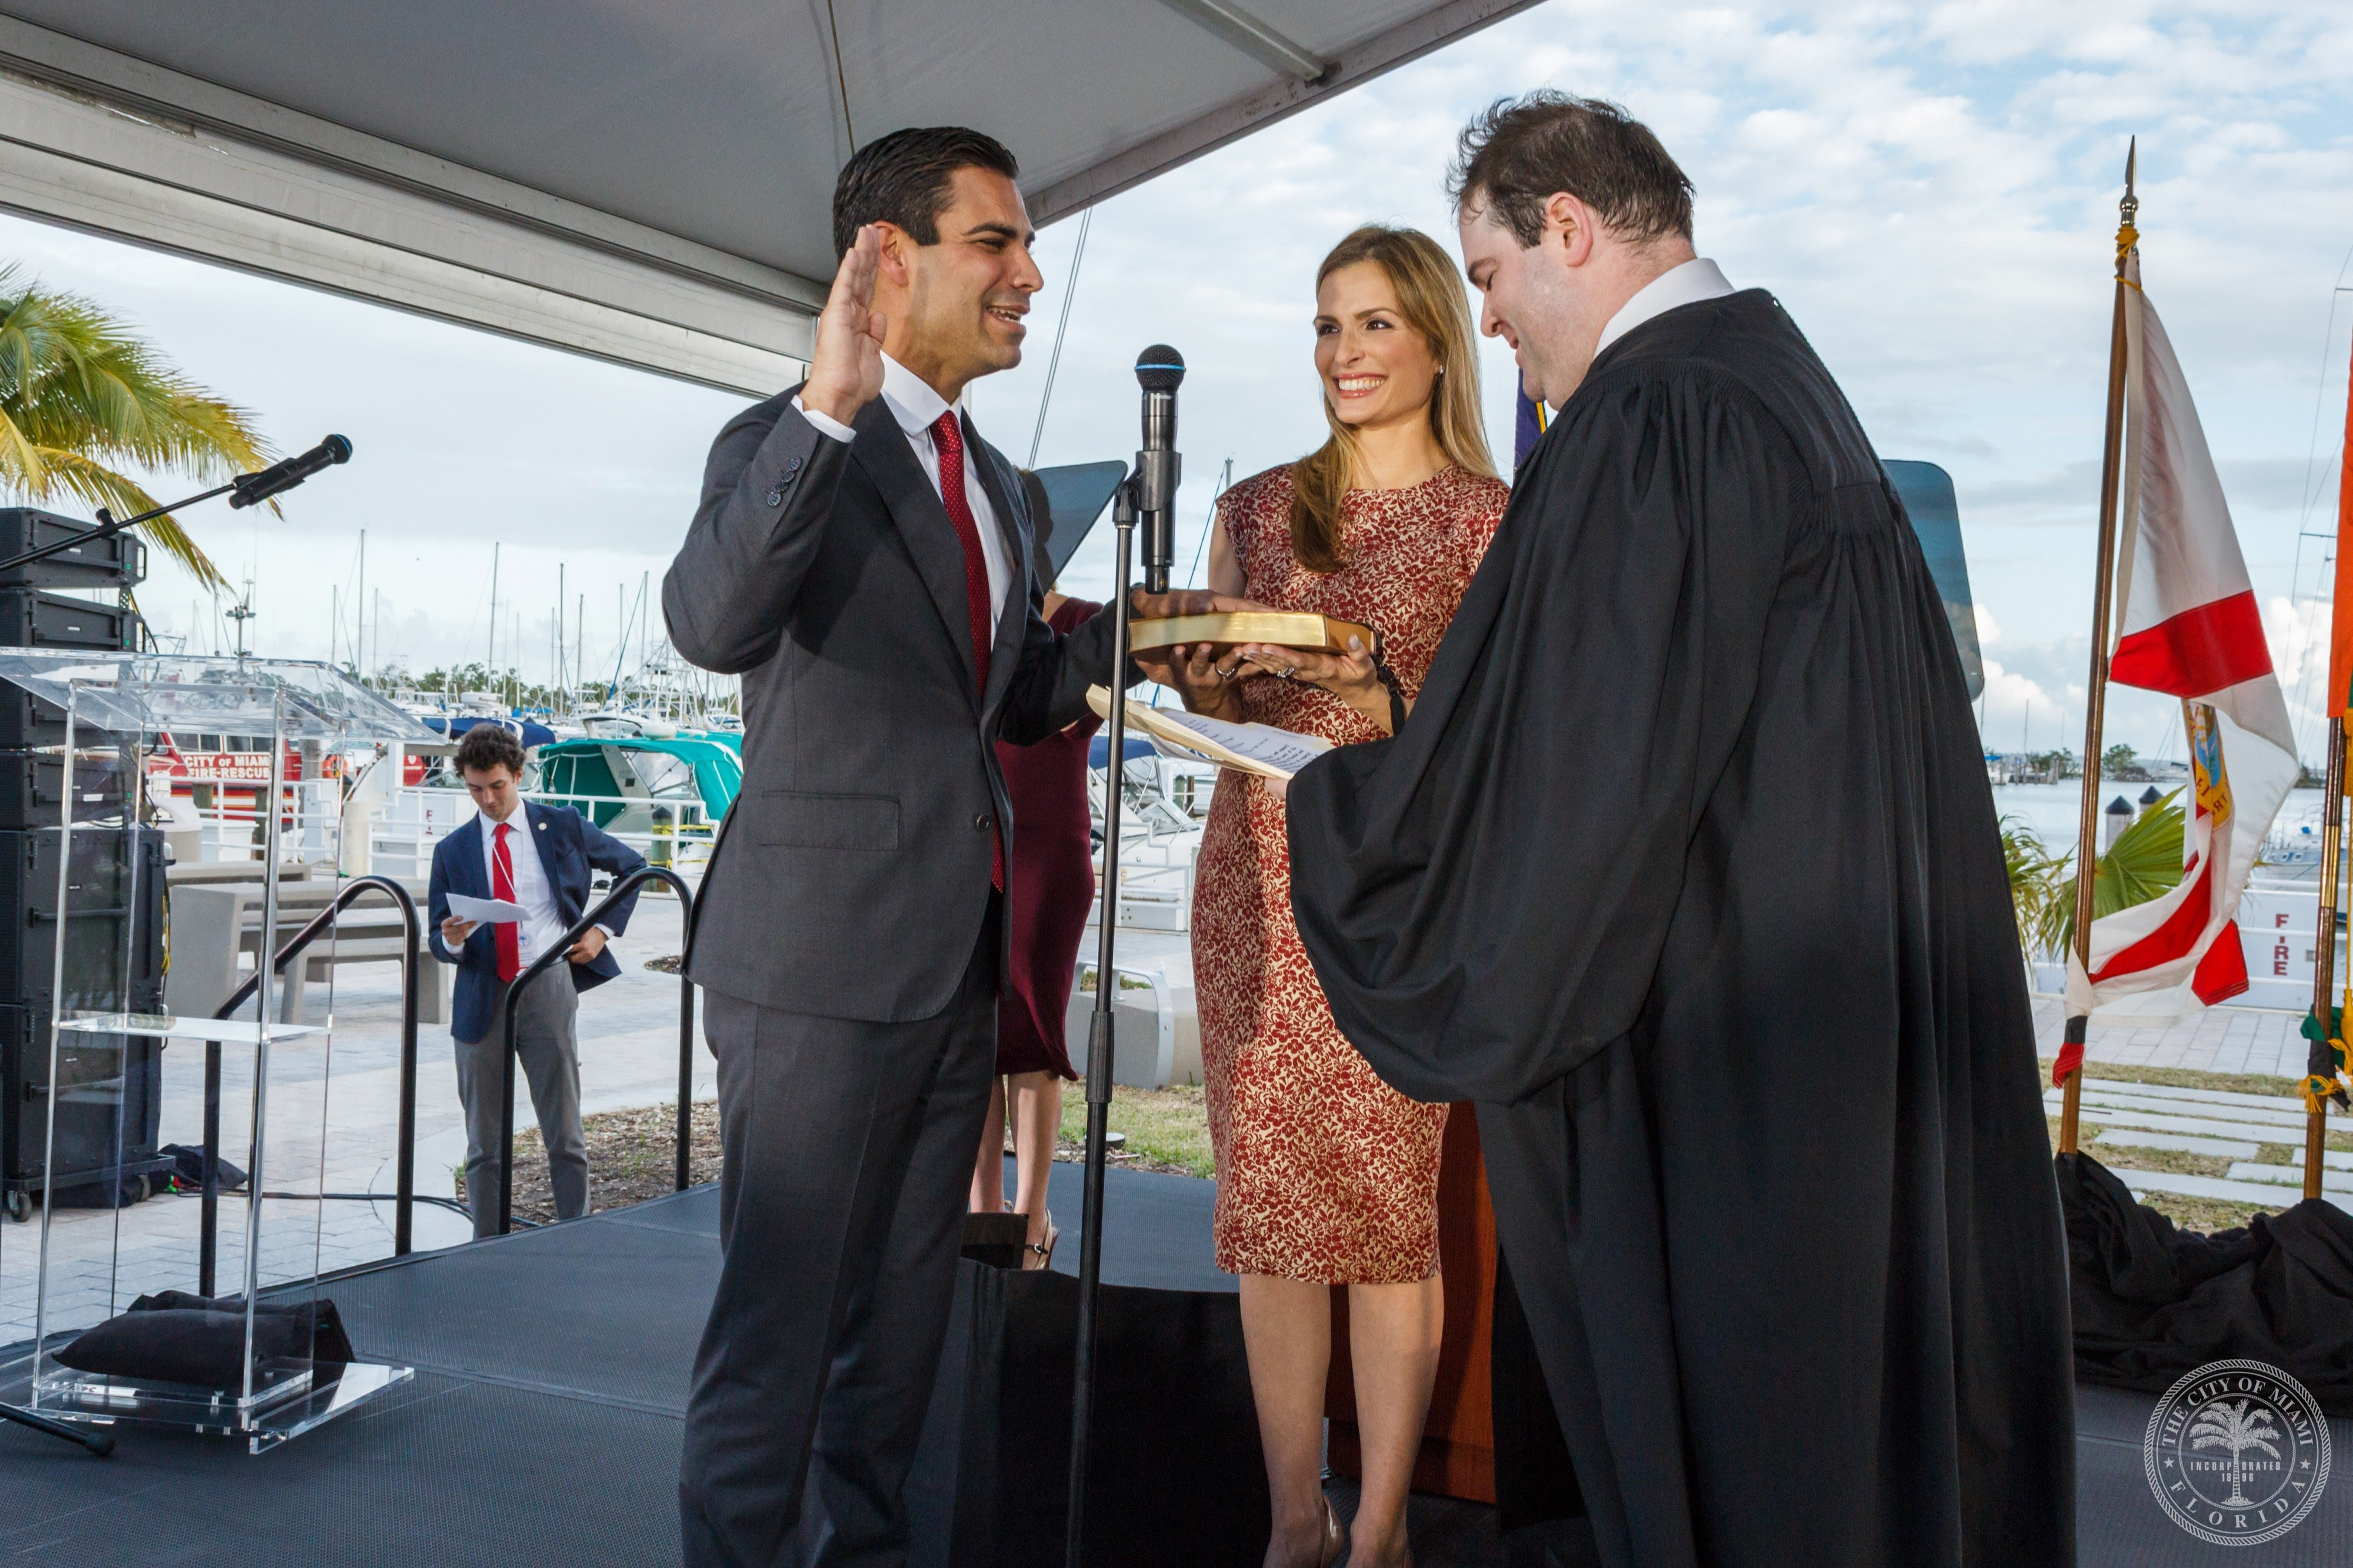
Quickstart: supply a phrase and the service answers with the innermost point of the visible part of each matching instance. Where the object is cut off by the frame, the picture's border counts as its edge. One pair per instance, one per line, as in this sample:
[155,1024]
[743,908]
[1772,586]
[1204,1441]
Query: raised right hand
[846,367]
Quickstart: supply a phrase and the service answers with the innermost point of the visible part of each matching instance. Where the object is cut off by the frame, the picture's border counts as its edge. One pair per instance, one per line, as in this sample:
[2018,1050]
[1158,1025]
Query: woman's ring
[1222,674]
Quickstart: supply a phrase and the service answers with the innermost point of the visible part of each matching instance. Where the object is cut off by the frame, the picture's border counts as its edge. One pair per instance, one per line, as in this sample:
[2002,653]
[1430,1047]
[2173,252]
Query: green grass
[1167,1129]
[2205,1216]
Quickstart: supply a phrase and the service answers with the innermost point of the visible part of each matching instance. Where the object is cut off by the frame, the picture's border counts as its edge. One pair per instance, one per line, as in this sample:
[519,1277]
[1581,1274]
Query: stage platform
[543,1425]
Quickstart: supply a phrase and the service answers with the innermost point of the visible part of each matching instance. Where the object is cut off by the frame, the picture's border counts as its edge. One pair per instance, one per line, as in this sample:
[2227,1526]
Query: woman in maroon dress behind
[1049,882]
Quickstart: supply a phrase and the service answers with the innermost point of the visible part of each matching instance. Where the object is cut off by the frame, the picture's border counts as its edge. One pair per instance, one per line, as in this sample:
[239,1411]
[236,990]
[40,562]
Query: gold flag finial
[2128,208]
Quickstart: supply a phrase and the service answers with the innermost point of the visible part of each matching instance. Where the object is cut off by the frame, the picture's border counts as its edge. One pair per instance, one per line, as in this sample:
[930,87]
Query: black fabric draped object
[2152,1303]
[1686,867]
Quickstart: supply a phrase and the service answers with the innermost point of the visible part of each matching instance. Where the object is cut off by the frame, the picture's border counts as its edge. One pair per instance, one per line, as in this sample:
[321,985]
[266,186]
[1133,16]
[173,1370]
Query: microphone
[1159,370]
[285,476]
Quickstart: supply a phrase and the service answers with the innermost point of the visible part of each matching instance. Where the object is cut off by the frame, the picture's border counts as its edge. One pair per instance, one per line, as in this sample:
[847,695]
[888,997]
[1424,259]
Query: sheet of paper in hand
[1197,738]
[1282,628]
[485,912]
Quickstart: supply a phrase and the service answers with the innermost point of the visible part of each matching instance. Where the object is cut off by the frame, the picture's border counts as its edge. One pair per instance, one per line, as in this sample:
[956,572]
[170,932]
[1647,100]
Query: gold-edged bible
[1280,628]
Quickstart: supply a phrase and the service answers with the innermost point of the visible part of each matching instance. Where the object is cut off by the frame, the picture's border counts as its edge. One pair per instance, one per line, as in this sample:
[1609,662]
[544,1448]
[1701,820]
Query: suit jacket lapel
[1013,618]
[923,522]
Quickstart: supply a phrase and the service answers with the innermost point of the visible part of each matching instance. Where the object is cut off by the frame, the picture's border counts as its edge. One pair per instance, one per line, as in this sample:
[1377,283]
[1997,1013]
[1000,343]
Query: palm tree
[2235,1428]
[78,394]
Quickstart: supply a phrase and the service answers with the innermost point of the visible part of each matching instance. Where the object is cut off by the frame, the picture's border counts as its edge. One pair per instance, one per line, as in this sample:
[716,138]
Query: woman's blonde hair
[1431,297]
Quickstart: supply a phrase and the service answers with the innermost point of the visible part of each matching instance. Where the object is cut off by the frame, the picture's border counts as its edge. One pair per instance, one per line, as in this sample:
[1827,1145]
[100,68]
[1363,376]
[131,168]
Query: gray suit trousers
[547,1051]
[847,1151]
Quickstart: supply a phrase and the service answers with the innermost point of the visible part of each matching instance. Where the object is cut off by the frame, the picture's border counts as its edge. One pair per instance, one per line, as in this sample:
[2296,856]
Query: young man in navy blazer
[538,857]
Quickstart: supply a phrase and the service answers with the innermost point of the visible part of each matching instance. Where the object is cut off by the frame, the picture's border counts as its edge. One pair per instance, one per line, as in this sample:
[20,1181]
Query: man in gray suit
[862,558]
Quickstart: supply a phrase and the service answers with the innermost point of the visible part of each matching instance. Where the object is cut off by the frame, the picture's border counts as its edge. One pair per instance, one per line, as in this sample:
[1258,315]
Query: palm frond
[2144,863]
[81,397]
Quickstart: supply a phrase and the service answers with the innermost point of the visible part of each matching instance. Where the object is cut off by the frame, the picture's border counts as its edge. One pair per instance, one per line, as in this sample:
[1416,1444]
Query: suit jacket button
[792,468]
[775,496]
[983,821]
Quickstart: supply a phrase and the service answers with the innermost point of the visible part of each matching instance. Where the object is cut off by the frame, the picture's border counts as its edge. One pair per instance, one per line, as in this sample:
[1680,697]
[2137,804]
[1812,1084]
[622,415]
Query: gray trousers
[847,1153]
[548,1061]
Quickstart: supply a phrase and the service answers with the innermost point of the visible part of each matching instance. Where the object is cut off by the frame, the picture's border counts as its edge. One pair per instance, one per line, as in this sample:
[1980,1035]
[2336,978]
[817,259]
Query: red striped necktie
[948,433]
[504,934]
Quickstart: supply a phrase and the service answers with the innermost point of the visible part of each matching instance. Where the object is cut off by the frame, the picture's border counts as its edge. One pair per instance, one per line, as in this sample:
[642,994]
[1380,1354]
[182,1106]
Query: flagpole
[2324,943]
[2324,1068]
[2096,696]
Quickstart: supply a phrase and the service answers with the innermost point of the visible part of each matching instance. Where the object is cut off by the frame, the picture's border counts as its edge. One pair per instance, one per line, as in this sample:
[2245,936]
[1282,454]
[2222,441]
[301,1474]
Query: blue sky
[1931,190]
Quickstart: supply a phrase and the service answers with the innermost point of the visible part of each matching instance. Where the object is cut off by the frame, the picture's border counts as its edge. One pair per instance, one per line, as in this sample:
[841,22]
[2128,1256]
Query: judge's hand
[454,932]
[586,950]
[1159,664]
[1146,607]
[846,368]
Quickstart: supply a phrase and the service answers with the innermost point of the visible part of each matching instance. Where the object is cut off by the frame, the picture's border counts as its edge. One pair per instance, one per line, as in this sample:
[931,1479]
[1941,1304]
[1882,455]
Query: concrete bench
[215,937]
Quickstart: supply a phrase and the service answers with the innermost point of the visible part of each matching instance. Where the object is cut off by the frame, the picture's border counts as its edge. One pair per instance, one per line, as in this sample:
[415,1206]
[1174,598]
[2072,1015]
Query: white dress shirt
[542,926]
[917,407]
[1688,284]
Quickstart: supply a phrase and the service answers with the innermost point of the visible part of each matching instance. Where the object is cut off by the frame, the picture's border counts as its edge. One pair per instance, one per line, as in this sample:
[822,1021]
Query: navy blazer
[569,847]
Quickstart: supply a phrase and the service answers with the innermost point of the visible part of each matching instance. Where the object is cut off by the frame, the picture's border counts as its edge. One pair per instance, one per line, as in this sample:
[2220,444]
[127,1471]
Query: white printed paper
[1282,750]
[485,911]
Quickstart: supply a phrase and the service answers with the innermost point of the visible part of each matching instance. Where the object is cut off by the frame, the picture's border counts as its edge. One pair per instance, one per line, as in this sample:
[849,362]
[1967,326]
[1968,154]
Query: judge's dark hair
[904,178]
[1516,154]
[488,746]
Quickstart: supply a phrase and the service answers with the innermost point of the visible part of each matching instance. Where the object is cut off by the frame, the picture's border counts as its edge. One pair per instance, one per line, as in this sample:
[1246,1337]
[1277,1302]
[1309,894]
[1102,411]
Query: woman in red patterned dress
[1326,1175]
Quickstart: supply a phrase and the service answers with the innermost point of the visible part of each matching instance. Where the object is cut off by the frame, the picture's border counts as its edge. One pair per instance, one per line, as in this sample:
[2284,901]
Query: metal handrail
[557,953]
[405,1186]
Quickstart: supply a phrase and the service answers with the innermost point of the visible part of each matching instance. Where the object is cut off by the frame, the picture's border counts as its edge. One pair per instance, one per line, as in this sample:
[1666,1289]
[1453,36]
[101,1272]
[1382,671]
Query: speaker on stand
[109,1091]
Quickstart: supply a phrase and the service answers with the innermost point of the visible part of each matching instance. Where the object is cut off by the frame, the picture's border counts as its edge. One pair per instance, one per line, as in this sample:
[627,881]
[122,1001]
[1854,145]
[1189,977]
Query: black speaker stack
[107,1091]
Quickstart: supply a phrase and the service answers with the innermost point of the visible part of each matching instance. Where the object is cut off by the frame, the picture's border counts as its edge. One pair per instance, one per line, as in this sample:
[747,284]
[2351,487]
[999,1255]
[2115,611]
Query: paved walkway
[343,1118]
[2221,1039]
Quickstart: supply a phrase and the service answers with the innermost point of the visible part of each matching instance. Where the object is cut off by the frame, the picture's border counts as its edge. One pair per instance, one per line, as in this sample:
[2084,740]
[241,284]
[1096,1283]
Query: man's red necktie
[948,433]
[504,934]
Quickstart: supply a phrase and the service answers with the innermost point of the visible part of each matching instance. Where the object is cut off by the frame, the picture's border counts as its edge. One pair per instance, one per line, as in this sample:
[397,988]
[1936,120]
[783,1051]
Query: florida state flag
[2187,626]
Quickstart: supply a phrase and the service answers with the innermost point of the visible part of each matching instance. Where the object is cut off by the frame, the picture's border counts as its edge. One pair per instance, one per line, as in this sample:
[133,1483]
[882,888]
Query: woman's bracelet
[1388,678]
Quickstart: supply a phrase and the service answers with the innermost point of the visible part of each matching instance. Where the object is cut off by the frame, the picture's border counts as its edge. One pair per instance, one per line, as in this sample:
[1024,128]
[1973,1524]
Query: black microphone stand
[1098,1044]
[107,529]
[250,487]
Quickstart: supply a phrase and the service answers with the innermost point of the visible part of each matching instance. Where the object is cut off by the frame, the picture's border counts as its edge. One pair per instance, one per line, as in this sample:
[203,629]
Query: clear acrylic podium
[93,1007]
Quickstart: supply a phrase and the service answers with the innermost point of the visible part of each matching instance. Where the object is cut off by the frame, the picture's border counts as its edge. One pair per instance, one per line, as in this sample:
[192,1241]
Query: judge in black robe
[1684,868]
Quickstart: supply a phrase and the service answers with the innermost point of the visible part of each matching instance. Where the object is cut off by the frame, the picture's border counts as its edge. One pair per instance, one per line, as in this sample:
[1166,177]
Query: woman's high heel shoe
[1335,1537]
[1041,1253]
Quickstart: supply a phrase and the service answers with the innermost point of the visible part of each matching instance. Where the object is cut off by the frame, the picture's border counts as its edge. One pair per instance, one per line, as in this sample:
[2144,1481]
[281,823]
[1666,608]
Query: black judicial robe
[1685,868]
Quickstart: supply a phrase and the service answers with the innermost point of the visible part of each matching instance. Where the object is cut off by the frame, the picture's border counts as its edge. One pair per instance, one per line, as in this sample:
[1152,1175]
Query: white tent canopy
[646,180]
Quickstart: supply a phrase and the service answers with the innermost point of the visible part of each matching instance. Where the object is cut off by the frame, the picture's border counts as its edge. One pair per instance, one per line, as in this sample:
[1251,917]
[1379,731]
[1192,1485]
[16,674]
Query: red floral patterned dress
[1325,1172]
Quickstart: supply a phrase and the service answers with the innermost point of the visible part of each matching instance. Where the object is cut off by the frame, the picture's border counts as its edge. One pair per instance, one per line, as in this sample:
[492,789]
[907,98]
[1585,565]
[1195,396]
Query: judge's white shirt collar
[1688,284]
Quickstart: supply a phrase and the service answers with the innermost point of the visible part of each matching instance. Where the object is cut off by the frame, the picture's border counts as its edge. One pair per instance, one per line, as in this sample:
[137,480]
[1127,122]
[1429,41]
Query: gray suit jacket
[851,878]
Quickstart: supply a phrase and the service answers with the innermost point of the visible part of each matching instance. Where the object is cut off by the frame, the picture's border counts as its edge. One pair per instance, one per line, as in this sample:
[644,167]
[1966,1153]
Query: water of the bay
[2050,809]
